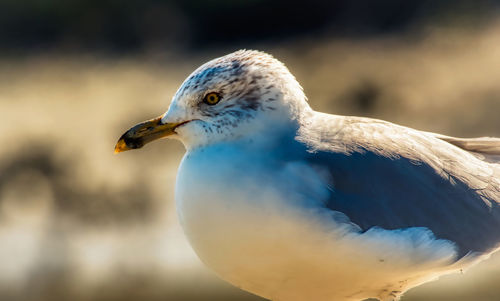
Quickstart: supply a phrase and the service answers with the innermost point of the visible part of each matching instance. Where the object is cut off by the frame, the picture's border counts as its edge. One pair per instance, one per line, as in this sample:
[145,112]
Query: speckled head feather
[251,85]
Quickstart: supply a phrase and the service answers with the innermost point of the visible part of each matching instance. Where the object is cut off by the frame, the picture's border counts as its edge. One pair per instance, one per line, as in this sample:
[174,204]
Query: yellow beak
[145,132]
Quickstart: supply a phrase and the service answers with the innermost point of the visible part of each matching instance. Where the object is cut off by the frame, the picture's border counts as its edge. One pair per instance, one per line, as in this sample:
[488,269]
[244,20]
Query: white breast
[262,228]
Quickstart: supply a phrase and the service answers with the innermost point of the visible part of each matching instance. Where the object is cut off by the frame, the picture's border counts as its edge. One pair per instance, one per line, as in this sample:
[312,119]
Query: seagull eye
[211,98]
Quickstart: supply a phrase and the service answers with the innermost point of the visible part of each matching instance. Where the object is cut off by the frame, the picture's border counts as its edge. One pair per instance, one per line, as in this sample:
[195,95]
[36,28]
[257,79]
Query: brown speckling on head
[251,84]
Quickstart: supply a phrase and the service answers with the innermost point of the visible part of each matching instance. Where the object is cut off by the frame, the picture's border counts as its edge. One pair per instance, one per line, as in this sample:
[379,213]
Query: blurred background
[79,223]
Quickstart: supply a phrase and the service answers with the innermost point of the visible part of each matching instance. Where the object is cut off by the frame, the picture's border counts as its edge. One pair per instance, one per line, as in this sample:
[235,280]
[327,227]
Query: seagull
[295,205]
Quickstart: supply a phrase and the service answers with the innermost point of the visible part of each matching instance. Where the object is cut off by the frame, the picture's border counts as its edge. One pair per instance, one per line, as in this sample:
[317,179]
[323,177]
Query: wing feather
[393,177]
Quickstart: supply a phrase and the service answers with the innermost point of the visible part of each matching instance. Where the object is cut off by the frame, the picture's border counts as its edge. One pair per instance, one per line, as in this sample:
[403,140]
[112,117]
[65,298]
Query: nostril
[134,143]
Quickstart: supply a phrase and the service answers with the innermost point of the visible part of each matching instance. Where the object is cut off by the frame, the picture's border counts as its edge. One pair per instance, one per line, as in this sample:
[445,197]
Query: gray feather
[484,145]
[485,148]
[393,177]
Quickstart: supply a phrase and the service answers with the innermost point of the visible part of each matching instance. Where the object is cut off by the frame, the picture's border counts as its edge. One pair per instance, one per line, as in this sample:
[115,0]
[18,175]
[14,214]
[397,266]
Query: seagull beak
[145,132]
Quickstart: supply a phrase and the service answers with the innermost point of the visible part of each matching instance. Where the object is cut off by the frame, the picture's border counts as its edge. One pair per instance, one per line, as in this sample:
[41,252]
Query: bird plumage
[393,177]
[294,205]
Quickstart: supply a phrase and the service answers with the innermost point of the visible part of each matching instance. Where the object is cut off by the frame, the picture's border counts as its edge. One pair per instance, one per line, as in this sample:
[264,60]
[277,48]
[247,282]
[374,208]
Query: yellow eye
[211,98]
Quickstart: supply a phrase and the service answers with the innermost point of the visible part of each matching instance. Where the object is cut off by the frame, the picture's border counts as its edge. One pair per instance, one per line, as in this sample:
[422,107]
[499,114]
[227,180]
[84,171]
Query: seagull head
[238,96]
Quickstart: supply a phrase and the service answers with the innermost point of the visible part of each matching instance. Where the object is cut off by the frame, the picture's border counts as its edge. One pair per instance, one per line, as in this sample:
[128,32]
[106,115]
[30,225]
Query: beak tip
[121,146]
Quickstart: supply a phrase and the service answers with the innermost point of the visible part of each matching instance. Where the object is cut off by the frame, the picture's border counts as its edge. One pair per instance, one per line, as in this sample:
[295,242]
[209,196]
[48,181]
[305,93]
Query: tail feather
[487,148]
[484,145]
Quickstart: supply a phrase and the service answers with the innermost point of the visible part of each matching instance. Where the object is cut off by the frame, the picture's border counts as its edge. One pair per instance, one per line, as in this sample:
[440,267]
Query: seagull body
[293,204]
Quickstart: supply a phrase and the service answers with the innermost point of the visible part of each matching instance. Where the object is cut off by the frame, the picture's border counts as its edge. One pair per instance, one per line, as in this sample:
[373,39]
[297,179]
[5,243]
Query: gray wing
[388,176]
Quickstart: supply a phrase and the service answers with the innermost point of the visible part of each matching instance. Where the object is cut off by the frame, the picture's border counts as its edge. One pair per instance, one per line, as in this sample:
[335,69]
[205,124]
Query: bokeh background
[79,223]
